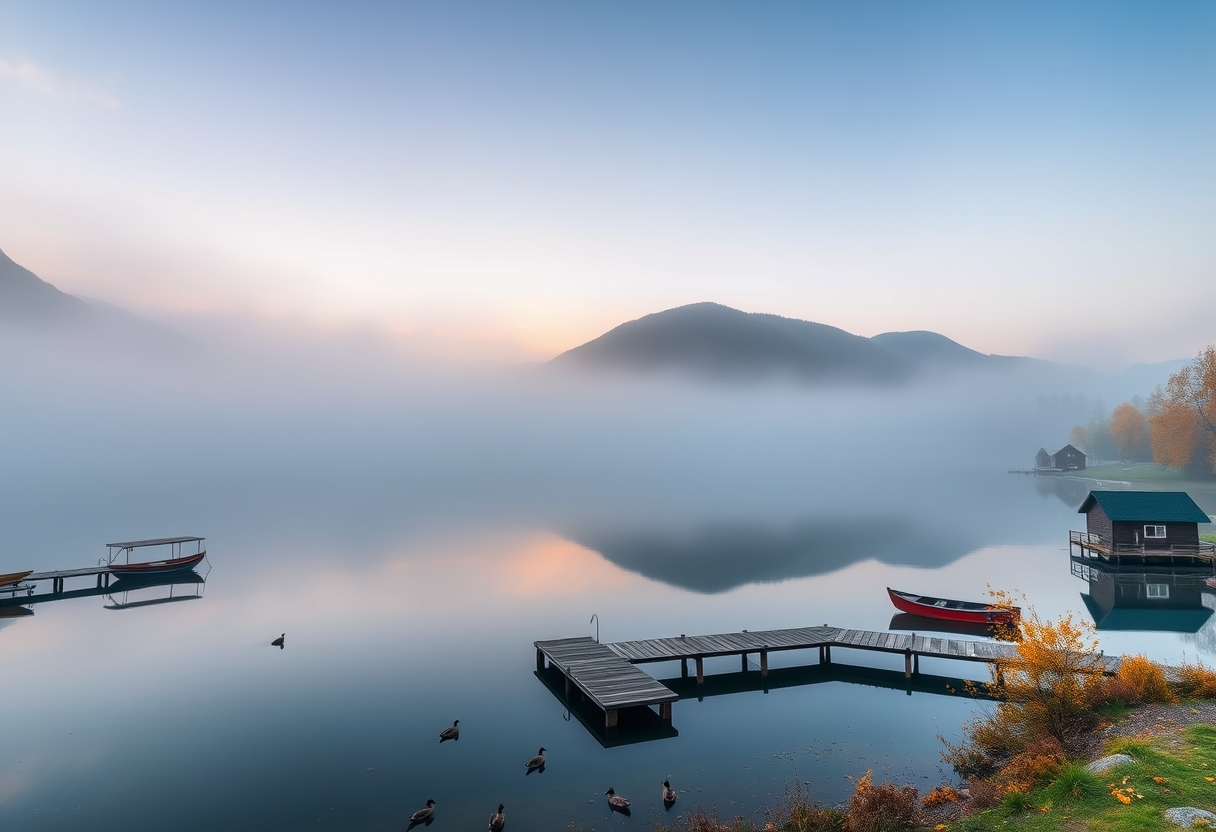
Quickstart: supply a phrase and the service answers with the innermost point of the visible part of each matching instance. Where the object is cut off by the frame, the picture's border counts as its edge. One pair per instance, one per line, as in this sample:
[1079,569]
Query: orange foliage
[1146,678]
[1196,682]
[1048,684]
[885,808]
[1040,761]
[941,794]
[1129,429]
[1183,416]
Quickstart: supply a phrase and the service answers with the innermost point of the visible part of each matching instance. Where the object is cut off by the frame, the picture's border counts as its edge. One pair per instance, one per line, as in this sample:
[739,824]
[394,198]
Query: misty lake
[414,543]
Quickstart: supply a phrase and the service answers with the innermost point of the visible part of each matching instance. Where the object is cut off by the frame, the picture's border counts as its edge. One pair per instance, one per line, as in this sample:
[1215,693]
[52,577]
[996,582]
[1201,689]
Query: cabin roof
[156,541]
[1161,506]
[1075,450]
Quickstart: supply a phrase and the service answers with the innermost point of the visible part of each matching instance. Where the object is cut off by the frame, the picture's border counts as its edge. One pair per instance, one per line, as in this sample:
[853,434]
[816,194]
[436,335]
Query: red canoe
[947,610]
[157,567]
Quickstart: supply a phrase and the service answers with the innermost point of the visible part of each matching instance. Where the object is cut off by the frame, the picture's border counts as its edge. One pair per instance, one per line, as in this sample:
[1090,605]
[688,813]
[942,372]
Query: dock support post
[683,668]
[610,718]
[827,654]
[665,711]
[743,657]
[764,663]
[107,579]
[540,659]
[700,671]
[908,664]
[1000,674]
[916,664]
[567,681]
[99,580]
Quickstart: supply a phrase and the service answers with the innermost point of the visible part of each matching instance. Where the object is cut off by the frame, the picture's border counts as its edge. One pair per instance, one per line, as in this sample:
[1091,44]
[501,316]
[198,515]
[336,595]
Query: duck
[278,642]
[452,733]
[615,801]
[423,815]
[669,794]
[498,820]
[538,761]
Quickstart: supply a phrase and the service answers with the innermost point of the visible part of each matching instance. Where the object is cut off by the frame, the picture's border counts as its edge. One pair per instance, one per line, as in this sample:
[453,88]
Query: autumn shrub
[1196,682]
[885,808]
[1040,761]
[941,794]
[967,760]
[985,794]
[698,820]
[801,814]
[1146,678]
[1112,690]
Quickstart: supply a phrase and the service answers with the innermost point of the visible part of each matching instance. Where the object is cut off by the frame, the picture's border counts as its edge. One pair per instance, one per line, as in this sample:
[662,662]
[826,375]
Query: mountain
[711,341]
[714,342]
[31,307]
[26,299]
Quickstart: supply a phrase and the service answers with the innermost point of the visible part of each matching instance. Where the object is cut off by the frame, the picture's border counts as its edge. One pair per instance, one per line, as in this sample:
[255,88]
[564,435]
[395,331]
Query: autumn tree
[1130,432]
[1182,416]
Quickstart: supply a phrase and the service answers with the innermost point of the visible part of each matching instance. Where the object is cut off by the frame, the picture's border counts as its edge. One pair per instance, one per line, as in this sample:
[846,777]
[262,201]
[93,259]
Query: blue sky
[516,178]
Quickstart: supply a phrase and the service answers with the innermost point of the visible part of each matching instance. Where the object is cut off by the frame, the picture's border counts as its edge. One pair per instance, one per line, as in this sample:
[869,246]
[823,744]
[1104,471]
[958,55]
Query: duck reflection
[1157,599]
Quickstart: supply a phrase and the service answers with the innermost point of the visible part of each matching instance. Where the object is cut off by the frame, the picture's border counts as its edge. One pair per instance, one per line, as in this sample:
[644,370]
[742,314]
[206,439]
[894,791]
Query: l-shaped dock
[606,673]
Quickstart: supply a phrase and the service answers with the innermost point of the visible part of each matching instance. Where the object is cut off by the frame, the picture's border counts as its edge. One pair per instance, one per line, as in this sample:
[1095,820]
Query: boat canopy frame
[113,550]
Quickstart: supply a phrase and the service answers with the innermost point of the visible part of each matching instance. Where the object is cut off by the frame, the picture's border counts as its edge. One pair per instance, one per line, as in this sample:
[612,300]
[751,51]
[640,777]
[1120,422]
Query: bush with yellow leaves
[1146,678]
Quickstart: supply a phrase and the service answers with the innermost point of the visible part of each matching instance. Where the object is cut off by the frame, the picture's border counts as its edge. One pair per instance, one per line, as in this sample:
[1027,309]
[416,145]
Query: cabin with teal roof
[1148,526]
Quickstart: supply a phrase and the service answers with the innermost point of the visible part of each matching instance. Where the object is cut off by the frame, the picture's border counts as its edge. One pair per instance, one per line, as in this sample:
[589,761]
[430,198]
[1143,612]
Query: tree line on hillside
[1175,427]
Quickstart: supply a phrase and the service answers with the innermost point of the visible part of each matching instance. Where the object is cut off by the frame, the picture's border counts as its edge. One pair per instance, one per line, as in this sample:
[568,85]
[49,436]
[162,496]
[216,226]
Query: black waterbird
[423,815]
[452,733]
[278,642]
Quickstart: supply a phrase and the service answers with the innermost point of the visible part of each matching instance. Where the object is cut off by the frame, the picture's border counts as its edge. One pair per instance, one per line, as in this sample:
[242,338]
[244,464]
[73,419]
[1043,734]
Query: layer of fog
[344,448]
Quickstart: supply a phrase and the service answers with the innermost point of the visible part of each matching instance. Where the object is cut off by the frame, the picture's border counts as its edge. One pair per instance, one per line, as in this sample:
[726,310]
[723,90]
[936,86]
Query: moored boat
[176,562]
[947,609]
[157,567]
[13,577]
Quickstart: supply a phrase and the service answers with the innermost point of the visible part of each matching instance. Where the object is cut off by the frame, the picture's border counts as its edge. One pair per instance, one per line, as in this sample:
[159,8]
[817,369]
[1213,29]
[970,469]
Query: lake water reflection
[402,616]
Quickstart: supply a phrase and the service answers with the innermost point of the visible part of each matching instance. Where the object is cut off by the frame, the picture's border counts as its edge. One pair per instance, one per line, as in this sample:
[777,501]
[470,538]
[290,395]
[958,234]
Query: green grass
[1133,472]
[1210,538]
[1183,760]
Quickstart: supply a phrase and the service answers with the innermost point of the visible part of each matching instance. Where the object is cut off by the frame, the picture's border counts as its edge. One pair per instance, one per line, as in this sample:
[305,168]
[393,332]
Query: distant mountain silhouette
[27,299]
[31,307]
[711,341]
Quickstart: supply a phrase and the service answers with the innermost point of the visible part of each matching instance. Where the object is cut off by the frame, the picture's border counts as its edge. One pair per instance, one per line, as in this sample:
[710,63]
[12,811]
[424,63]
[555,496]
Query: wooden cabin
[1042,459]
[1068,458]
[1152,525]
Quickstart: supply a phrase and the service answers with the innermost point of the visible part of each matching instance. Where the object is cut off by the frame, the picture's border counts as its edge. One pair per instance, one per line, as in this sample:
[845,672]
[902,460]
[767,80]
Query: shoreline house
[1042,459]
[1142,526]
[1068,458]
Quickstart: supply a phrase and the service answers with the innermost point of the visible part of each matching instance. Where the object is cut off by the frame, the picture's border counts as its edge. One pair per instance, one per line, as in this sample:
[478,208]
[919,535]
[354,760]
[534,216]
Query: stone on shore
[1103,763]
[1188,816]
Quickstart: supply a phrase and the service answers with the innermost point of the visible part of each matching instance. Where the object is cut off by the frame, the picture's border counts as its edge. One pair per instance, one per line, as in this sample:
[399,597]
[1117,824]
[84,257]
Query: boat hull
[945,609]
[13,577]
[156,567]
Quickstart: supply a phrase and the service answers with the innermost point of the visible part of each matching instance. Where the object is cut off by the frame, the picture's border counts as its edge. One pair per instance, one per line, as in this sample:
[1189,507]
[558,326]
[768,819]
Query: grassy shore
[1174,767]
[1171,769]
[1132,472]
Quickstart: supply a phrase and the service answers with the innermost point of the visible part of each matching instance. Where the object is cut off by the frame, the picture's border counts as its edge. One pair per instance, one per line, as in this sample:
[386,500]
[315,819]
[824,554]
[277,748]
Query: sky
[510,180]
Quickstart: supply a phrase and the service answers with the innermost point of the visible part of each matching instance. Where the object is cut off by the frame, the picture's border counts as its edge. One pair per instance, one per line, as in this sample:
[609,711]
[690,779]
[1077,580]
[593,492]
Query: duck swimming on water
[452,733]
[278,642]
[498,820]
[423,815]
[538,761]
[669,794]
[615,801]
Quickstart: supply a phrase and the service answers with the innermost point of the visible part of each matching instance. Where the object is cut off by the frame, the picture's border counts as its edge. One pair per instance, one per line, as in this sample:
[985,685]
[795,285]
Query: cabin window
[1154,531]
[1158,590]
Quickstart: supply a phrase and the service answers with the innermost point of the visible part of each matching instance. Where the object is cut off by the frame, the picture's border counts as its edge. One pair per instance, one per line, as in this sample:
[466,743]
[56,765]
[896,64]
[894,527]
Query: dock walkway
[607,675]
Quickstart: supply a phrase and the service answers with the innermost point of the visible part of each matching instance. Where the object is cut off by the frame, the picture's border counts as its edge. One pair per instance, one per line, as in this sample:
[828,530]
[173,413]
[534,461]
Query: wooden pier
[606,673]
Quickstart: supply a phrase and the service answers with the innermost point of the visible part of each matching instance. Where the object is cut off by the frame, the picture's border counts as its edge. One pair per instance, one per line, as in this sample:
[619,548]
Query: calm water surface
[404,611]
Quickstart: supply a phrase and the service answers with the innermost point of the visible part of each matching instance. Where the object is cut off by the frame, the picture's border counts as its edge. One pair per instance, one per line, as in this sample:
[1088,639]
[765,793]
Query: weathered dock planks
[606,673]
